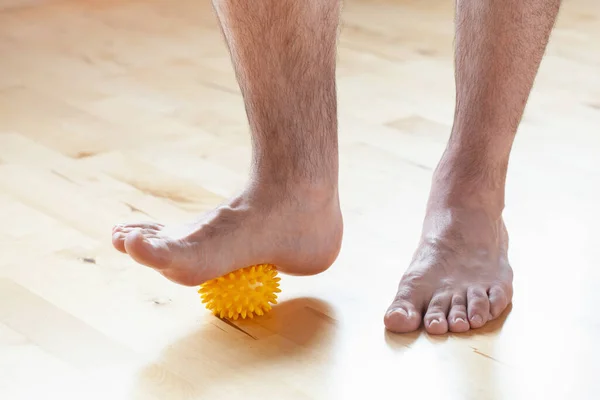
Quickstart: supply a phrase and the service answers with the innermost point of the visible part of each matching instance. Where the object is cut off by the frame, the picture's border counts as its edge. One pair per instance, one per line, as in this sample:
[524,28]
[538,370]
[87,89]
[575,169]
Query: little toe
[435,318]
[499,300]
[457,317]
[478,307]
[402,316]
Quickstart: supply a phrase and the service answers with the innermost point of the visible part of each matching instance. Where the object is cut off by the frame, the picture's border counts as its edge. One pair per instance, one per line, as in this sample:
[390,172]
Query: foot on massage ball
[242,293]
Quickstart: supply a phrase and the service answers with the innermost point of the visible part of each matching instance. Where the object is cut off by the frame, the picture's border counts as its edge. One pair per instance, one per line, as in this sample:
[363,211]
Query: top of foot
[460,277]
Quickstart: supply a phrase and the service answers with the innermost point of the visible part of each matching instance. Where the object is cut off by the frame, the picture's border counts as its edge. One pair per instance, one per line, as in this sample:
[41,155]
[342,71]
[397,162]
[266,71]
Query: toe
[457,317]
[435,318]
[118,237]
[145,247]
[499,300]
[402,318]
[478,307]
[118,241]
[404,314]
[120,232]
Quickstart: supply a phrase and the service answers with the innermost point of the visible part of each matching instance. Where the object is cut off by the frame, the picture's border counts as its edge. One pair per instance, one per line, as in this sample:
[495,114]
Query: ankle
[310,195]
[469,180]
[312,167]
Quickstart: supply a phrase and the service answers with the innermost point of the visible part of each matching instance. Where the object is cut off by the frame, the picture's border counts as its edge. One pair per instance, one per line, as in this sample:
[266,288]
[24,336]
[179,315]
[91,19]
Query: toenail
[457,320]
[400,311]
[476,319]
[434,321]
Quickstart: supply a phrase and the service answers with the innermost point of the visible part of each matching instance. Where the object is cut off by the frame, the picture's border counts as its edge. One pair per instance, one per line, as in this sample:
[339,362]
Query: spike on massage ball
[243,293]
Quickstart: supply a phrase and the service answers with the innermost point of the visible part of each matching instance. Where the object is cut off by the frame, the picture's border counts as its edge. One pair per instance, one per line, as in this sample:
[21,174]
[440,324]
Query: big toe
[118,240]
[148,248]
[121,231]
[402,316]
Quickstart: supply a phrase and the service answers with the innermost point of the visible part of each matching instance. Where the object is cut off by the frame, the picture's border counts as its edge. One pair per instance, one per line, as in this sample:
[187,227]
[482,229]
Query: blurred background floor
[115,111]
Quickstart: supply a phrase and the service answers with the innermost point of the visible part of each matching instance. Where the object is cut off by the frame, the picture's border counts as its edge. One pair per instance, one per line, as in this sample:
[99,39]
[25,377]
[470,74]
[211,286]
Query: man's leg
[284,56]
[460,276]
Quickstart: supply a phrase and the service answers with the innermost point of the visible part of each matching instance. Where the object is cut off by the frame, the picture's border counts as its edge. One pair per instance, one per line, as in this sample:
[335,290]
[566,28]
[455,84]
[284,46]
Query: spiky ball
[242,293]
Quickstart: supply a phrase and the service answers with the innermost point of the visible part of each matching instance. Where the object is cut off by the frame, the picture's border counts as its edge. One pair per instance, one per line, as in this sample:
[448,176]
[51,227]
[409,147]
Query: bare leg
[283,52]
[460,276]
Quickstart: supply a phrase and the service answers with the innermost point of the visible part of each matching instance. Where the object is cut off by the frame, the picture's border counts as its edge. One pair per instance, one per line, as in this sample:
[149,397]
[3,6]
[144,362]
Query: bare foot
[460,277]
[300,232]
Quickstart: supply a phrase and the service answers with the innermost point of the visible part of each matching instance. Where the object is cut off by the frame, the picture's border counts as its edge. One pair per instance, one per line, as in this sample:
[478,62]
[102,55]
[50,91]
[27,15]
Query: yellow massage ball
[242,293]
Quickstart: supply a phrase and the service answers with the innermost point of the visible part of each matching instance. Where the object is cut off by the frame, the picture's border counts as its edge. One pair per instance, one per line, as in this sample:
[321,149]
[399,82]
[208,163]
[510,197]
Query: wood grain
[115,111]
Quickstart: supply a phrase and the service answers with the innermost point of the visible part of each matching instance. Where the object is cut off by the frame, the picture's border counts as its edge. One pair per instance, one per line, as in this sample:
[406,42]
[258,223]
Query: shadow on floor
[293,340]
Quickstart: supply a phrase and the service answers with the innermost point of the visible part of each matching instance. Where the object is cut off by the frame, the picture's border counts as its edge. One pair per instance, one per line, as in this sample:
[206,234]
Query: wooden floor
[116,111]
